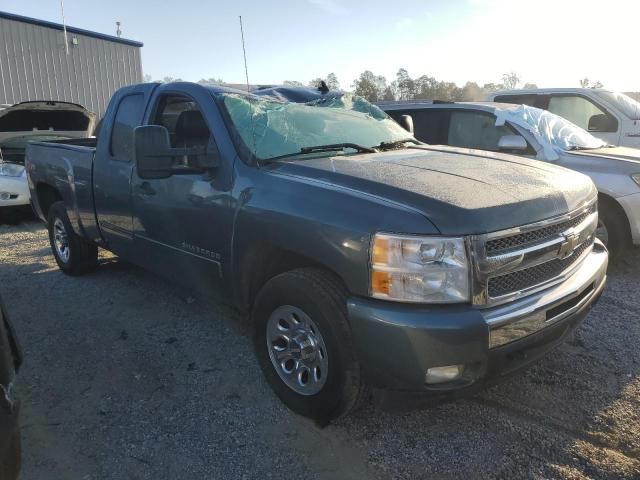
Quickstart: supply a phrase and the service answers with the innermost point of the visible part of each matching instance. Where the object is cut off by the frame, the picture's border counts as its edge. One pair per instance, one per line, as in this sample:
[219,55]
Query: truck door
[114,164]
[183,224]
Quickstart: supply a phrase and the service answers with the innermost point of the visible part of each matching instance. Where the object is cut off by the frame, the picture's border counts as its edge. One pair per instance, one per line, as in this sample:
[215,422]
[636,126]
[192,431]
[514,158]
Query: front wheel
[73,255]
[303,343]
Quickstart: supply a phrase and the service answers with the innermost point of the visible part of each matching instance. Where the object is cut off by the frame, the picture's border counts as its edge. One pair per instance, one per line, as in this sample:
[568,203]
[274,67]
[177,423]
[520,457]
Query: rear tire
[306,310]
[73,255]
[613,227]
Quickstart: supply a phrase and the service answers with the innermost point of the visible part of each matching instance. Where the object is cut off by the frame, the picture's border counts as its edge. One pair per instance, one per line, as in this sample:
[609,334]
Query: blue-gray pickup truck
[365,258]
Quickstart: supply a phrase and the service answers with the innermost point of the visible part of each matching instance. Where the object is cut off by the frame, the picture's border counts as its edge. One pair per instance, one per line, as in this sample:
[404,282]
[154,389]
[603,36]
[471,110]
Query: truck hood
[460,191]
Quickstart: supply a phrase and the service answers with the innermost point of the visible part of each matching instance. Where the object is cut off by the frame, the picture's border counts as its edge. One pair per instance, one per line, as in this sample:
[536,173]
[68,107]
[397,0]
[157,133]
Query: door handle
[145,188]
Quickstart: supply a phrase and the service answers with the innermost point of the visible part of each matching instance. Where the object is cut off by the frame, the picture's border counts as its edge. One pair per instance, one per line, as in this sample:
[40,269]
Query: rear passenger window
[517,99]
[128,116]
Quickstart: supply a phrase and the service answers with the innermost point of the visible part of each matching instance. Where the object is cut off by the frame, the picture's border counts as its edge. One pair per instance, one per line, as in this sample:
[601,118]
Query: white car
[537,134]
[29,121]
[609,116]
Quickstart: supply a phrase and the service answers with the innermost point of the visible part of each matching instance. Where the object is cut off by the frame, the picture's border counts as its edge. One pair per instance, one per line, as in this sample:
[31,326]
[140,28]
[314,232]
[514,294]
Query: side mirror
[602,123]
[406,122]
[153,152]
[512,142]
[155,158]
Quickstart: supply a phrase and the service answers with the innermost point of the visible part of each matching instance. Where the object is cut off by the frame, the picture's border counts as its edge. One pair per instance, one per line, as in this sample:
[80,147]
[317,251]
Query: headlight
[419,269]
[11,169]
[636,178]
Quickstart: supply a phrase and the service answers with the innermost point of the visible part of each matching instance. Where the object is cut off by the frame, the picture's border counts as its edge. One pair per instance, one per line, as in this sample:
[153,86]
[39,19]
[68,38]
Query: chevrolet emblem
[568,246]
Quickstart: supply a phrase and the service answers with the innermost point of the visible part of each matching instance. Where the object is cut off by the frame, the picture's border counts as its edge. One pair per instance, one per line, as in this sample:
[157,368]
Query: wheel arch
[608,201]
[46,195]
[264,262]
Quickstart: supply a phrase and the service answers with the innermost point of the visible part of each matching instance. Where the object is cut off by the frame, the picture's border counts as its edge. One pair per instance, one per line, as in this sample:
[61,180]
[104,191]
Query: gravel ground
[129,377]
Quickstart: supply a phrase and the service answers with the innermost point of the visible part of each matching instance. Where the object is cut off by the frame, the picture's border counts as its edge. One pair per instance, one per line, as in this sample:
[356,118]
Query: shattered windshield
[271,128]
[553,129]
[625,103]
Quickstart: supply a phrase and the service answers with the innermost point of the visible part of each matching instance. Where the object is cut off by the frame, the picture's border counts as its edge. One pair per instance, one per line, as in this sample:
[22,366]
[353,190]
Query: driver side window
[577,110]
[185,123]
[470,129]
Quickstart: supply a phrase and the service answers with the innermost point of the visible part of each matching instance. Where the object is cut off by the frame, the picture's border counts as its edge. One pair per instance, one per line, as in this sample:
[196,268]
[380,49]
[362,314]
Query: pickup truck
[364,257]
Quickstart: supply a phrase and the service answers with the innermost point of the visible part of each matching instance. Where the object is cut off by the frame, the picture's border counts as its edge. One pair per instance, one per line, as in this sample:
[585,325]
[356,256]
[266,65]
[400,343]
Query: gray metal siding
[34,66]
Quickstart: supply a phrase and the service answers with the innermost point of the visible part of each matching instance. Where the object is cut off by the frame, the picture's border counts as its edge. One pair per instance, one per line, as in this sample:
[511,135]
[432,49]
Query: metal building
[35,65]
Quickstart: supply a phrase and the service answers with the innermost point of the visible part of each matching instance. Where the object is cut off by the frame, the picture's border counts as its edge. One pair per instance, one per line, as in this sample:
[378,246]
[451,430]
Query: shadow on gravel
[16,215]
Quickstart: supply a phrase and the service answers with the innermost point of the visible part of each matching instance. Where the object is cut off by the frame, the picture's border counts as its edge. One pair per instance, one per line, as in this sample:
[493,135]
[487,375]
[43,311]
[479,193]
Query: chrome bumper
[521,318]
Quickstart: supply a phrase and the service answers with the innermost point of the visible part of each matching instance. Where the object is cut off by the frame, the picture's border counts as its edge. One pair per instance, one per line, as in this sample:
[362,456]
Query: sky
[552,43]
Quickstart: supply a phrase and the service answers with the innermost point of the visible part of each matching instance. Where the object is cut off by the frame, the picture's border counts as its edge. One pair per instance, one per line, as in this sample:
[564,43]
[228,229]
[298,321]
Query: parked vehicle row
[29,121]
[538,134]
[365,257]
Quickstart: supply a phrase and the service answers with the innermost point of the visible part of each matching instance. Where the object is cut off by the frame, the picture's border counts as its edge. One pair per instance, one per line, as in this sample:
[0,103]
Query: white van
[610,116]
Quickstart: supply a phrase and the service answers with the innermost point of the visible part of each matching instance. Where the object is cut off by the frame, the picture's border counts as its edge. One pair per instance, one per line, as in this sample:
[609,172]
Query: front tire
[73,255]
[303,343]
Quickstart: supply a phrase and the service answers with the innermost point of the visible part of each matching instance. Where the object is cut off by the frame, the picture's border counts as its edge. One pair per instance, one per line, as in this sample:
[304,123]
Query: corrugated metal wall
[34,66]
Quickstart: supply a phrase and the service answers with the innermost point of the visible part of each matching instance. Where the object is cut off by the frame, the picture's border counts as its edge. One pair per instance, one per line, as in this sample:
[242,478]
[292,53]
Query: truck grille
[523,279]
[501,245]
[520,261]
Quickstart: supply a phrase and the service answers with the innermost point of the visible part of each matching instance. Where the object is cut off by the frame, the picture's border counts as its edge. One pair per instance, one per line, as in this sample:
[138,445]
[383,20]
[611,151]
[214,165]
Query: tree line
[376,88]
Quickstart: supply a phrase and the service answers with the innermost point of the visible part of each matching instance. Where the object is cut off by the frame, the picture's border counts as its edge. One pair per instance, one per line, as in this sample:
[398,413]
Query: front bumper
[631,206]
[14,191]
[397,343]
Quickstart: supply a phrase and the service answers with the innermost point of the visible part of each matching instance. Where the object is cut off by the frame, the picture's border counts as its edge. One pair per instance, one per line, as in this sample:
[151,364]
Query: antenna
[118,31]
[64,28]
[244,52]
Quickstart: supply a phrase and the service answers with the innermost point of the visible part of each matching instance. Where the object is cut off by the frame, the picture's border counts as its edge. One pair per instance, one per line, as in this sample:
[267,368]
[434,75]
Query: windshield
[553,129]
[270,128]
[625,103]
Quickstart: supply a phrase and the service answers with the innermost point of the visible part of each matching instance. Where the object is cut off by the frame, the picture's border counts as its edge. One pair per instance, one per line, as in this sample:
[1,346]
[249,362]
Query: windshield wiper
[397,144]
[334,147]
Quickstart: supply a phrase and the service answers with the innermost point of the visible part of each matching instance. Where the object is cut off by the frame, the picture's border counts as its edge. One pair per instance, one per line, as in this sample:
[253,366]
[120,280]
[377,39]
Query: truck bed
[69,163]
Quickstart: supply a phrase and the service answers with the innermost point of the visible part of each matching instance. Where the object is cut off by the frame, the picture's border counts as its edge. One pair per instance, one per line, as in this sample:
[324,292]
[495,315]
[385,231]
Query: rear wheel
[303,343]
[613,228]
[73,255]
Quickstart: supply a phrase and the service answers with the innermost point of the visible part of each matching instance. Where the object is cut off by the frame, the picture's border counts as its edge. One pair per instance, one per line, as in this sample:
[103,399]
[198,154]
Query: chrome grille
[501,245]
[523,260]
[523,279]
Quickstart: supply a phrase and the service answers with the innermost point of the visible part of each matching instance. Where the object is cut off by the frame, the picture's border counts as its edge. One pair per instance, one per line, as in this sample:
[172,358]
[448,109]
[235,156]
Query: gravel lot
[129,377]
